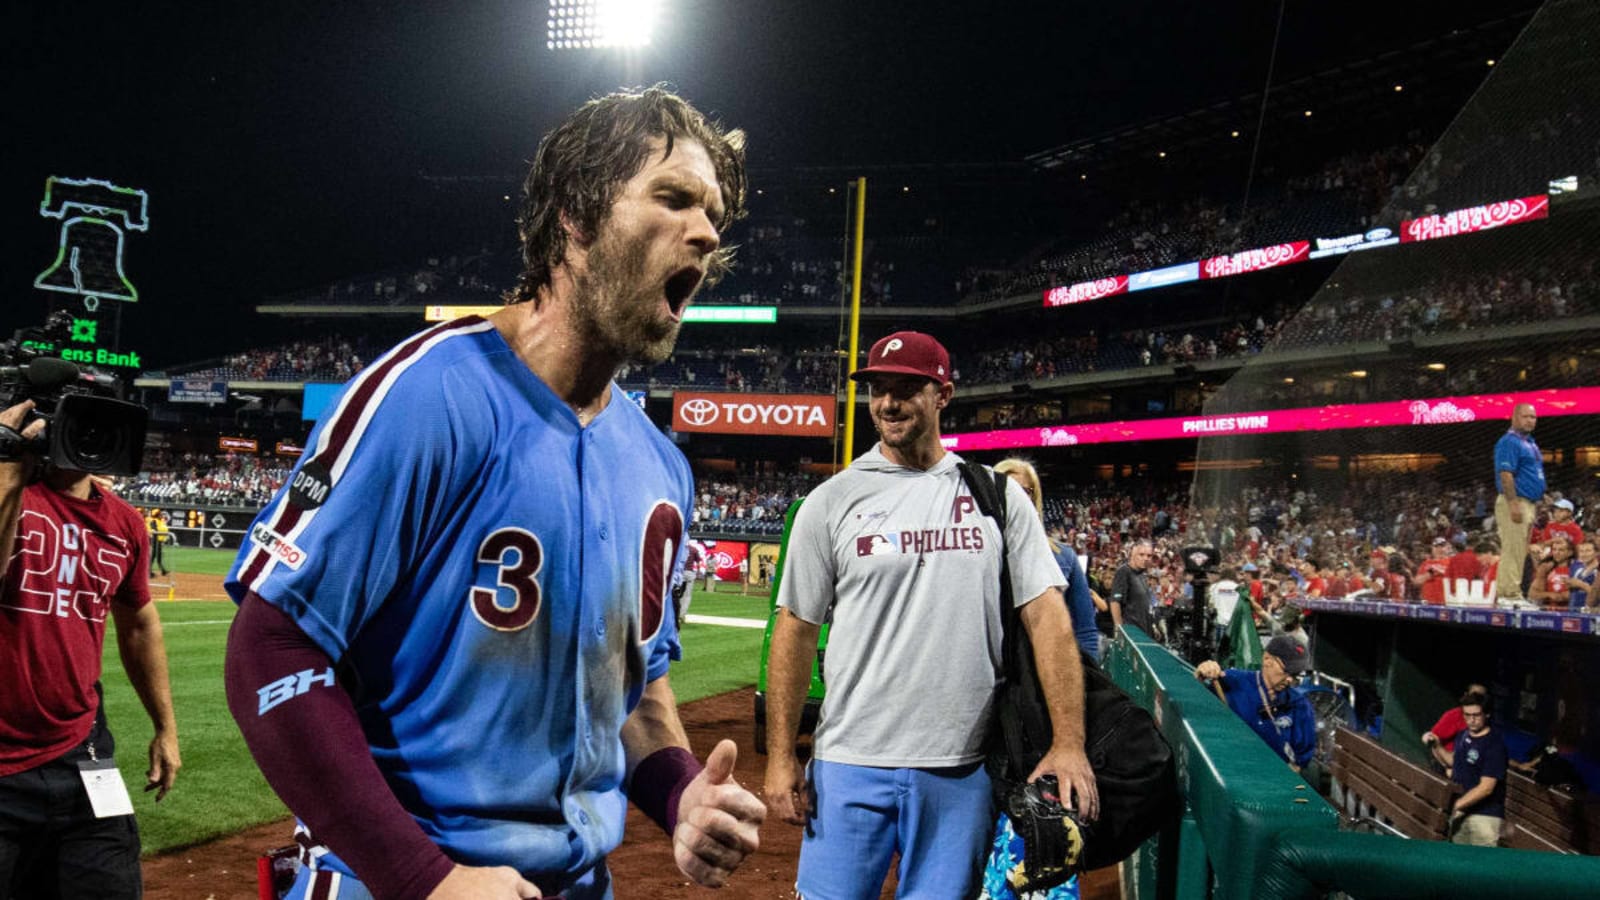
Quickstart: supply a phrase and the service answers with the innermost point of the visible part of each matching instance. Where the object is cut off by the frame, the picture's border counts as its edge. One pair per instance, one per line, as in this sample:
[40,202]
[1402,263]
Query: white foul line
[725,620]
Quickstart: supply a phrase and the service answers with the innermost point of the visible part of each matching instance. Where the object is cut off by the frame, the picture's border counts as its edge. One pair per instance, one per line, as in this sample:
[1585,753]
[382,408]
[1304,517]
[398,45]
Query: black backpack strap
[988,489]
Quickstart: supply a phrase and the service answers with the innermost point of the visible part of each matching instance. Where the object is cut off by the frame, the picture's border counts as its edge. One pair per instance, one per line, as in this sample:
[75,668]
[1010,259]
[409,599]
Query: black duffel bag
[1135,772]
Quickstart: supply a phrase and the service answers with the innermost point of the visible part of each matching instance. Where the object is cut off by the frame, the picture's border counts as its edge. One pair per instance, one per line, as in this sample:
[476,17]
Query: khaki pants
[1478,831]
[1513,545]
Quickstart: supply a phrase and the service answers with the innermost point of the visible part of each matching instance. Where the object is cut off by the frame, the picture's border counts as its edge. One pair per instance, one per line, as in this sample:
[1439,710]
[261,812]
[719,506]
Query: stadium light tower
[588,24]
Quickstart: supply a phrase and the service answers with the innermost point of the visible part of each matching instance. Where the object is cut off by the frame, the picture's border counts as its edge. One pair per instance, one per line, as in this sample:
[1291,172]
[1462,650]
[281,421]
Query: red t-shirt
[1317,586]
[1449,726]
[1570,529]
[1433,588]
[1555,582]
[1465,564]
[73,559]
[1389,585]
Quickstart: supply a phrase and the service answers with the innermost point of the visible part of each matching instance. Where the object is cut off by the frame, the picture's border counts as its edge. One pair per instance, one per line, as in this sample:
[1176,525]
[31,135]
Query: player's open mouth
[680,287]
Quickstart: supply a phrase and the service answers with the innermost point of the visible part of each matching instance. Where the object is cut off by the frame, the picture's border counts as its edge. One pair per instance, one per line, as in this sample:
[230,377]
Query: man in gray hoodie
[896,554]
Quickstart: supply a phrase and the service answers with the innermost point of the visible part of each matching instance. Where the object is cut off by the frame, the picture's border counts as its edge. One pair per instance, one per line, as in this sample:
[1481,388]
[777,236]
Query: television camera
[87,427]
[1191,628]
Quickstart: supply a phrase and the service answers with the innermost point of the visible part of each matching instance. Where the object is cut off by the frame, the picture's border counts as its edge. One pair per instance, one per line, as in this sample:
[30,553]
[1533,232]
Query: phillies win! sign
[790,415]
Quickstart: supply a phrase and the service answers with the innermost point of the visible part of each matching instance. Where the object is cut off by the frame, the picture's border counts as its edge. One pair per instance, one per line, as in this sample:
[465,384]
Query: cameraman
[69,554]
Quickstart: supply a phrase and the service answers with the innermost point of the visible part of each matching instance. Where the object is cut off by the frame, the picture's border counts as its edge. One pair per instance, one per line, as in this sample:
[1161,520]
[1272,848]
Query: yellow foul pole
[855,320]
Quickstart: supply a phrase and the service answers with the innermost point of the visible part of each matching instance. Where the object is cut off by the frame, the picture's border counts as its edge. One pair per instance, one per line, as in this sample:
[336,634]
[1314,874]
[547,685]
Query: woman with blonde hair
[1081,601]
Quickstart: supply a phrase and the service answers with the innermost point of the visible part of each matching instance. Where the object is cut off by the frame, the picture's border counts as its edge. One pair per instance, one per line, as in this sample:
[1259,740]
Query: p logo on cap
[914,354]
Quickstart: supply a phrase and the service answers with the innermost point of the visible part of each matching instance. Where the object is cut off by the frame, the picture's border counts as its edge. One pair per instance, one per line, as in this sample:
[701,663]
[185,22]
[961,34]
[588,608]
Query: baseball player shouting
[450,657]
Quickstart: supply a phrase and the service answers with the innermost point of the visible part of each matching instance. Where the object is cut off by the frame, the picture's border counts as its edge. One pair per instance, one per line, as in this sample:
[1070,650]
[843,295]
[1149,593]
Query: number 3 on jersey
[518,556]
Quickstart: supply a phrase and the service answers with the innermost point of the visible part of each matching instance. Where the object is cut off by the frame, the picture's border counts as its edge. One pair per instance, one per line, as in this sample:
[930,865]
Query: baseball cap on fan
[907,353]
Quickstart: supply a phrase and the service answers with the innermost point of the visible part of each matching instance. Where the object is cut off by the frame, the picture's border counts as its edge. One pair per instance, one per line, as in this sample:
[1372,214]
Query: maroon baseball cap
[907,353]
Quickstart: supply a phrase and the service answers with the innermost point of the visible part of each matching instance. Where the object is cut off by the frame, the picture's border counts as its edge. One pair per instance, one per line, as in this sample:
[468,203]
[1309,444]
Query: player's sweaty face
[649,256]
[905,409]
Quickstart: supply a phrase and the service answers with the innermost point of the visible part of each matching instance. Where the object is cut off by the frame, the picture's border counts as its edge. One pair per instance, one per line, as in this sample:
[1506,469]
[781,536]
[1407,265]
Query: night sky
[282,144]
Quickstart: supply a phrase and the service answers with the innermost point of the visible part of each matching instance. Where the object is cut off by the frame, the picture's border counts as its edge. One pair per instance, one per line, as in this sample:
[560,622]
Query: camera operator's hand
[13,419]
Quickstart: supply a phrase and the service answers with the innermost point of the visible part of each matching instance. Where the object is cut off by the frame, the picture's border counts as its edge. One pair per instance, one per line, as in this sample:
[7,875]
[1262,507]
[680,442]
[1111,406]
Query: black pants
[51,845]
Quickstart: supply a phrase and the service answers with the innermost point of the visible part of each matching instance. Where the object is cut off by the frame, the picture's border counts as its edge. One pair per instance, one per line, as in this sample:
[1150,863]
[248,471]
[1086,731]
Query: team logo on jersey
[278,547]
[310,486]
[963,506]
[1472,756]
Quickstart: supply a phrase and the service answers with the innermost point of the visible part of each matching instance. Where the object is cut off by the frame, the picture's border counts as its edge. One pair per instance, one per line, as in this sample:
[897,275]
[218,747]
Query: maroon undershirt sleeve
[313,753]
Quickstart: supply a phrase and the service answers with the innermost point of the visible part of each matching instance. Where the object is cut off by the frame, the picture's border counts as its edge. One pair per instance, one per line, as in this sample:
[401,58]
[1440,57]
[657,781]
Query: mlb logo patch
[874,544]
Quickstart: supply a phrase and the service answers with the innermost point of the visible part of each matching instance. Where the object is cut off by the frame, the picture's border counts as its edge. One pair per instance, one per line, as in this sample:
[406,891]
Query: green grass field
[219,790]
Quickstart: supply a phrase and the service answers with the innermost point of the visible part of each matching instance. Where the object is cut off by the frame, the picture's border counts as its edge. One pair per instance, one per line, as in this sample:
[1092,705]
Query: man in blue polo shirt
[1268,701]
[1477,764]
[1519,484]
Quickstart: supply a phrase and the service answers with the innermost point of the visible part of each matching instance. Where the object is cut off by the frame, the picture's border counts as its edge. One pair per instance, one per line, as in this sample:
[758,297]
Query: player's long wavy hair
[582,164]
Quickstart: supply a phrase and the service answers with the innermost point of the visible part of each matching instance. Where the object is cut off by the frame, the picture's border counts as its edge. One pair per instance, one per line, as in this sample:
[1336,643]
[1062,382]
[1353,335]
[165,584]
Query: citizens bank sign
[792,415]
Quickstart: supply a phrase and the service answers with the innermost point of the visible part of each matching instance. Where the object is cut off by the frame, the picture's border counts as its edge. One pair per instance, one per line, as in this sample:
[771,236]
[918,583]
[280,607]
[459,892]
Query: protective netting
[1375,407]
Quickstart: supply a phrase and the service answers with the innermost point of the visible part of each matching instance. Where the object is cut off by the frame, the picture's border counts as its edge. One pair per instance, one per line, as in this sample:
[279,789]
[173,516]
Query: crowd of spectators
[746,505]
[333,358]
[1455,303]
[191,479]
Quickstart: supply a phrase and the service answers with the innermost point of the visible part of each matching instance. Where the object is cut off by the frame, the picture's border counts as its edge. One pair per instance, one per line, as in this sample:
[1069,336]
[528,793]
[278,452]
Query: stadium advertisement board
[1475,218]
[1084,291]
[1433,411]
[790,415]
[1256,260]
[237,444]
[1351,243]
[723,558]
[183,390]
[1154,278]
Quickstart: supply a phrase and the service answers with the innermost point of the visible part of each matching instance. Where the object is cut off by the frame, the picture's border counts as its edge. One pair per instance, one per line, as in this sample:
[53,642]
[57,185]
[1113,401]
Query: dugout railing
[1254,829]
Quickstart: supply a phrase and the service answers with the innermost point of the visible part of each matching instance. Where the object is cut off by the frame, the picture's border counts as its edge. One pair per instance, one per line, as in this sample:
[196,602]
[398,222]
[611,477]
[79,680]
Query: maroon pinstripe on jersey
[340,435]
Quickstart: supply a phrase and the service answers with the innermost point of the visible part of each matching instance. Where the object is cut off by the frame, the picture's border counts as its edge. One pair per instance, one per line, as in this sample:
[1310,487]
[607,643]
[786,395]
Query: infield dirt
[642,867]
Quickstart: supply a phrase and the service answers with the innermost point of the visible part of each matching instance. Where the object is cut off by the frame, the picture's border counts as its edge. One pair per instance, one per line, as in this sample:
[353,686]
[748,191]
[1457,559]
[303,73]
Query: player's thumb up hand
[719,765]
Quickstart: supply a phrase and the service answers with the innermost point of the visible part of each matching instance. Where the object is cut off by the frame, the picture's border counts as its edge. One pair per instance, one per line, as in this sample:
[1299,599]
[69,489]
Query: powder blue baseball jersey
[496,579]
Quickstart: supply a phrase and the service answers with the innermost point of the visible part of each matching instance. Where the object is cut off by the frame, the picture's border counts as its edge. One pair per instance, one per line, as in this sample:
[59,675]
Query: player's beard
[617,305]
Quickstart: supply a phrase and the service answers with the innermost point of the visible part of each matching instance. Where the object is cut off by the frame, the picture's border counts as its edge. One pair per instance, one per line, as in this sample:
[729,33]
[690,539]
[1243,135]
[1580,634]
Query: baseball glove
[1052,836]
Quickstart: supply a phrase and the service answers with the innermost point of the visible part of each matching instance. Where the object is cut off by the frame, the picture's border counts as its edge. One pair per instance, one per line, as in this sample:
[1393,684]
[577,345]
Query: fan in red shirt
[1550,579]
[1561,523]
[1393,581]
[1342,584]
[1432,572]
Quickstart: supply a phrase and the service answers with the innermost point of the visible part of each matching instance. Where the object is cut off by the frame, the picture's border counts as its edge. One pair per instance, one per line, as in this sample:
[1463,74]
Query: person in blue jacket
[1081,601]
[1268,700]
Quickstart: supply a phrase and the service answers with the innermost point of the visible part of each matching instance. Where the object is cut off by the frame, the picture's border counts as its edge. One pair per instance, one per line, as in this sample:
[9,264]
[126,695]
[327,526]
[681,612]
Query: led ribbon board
[1461,221]
[1432,411]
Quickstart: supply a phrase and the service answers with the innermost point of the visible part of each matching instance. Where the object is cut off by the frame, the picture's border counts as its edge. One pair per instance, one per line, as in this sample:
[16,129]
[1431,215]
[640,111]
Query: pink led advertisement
[1434,411]
[1255,260]
[1476,218]
[1086,290]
